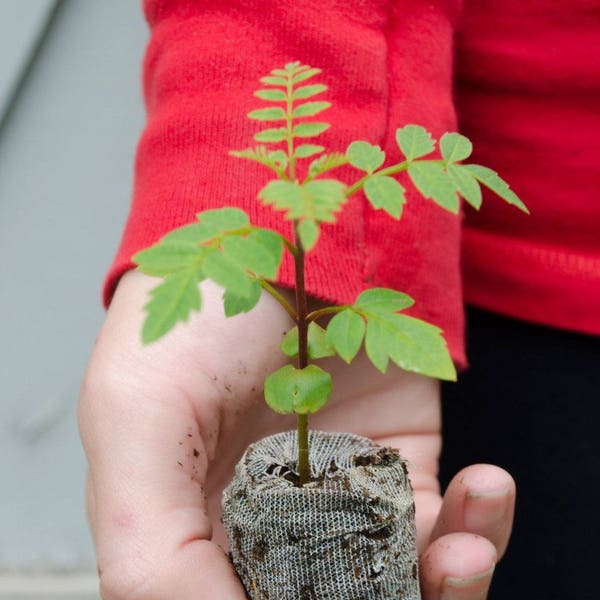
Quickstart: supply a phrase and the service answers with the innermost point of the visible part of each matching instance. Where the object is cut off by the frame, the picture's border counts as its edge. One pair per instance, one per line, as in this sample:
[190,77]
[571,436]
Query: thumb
[148,460]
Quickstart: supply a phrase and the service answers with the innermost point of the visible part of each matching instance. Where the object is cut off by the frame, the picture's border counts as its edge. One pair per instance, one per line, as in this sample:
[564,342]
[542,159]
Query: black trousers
[530,403]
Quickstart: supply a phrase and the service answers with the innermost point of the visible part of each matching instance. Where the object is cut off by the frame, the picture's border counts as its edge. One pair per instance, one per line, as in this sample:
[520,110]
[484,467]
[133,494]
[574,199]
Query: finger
[480,499]
[458,566]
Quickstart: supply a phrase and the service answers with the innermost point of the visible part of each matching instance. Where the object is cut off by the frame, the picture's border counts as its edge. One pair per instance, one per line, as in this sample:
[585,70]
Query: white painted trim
[48,586]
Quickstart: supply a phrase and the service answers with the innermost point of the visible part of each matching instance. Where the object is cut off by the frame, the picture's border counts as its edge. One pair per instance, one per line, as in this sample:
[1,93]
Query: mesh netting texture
[347,535]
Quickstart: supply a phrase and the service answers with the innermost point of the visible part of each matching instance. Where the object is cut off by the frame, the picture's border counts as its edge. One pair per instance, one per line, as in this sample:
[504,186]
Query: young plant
[244,260]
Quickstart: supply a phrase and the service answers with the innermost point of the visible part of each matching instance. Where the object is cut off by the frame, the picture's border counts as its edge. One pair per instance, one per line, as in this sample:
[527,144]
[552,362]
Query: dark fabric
[529,403]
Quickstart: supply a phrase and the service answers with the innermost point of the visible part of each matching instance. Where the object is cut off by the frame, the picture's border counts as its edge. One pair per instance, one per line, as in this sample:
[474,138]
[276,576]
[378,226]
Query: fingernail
[467,588]
[485,510]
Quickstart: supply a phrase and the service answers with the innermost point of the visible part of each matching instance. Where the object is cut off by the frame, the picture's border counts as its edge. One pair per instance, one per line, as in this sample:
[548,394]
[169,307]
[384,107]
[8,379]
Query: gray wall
[70,115]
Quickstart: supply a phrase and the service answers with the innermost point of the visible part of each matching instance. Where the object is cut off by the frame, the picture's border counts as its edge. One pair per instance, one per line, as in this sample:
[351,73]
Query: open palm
[164,425]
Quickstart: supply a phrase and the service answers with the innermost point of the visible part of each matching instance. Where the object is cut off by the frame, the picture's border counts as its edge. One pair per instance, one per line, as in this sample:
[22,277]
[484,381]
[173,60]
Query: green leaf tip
[170,302]
[302,391]
[234,304]
[490,179]
[308,231]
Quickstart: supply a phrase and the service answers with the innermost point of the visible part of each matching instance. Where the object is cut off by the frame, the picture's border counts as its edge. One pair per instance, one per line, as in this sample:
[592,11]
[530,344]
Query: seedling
[225,247]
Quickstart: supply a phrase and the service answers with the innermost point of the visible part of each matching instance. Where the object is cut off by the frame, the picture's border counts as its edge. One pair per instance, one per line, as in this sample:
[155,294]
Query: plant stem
[301,301]
[303,458]
[302,322]
[328,310]
[273,292]
[392,170]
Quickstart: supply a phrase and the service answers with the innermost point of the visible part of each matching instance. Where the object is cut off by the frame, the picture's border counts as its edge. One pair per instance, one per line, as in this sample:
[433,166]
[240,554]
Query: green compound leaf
[318,345]
[384,300]
[327,162]
[274,113]
[455,147]
[306,150]
[308,91]
[309,109]
[494,182]
[414,141]
[305,74]
[365,157]
[235,305]
[385,193]
[271,135]
[170,302]
[430,178]
[182,248]
[301,391]
[410,343]
[466,184]
[345,332]
[304,130]
[273,95]
[309,231]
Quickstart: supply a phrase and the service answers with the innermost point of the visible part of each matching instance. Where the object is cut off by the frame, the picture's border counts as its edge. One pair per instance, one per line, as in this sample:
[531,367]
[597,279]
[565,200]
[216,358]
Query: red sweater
[526,92]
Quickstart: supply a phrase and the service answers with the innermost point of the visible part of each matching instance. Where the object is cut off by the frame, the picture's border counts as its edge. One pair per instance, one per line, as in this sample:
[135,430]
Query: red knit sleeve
[528,94]
[384,68]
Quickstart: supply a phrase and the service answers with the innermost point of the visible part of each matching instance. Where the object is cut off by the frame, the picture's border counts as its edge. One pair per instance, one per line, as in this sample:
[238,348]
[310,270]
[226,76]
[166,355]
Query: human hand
[164,425]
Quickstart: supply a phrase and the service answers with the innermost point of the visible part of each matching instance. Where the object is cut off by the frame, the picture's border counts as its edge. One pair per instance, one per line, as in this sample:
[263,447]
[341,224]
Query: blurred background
[70,115]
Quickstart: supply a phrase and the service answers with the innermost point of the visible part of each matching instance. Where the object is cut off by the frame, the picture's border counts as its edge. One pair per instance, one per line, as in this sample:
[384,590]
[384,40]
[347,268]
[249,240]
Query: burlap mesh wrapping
[349,535]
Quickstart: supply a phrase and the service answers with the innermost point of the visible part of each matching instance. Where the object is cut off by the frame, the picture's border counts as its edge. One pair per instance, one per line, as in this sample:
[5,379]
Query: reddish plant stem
[302,322]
